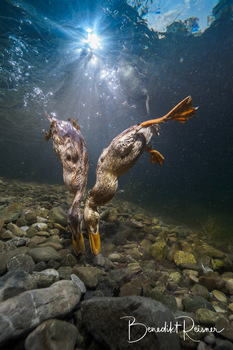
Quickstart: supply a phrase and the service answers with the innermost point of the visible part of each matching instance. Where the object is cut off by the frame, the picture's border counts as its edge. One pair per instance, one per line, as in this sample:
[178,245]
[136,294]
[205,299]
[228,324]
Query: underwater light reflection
[93,40]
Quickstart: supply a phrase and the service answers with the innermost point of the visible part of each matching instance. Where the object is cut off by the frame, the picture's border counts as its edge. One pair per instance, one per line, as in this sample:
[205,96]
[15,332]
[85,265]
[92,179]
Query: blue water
[98,61]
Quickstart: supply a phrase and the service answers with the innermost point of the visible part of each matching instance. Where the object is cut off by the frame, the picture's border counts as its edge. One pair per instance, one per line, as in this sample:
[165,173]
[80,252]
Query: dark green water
[49,63]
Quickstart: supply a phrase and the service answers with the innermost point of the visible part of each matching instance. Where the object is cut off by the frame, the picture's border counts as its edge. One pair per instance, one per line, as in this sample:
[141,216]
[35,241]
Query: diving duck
[119,157]
[70,148]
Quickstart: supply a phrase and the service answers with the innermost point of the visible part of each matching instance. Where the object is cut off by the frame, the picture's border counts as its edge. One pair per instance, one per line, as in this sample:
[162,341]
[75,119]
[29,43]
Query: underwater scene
[116,191]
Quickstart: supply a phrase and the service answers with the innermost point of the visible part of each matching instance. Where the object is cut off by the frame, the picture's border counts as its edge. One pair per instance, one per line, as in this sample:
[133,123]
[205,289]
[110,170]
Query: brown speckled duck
[70,148]
[120,156]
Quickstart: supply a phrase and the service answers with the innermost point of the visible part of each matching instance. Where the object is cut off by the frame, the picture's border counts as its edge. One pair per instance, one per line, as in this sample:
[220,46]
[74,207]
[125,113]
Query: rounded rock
[21,262]
[40,226]
[44,254]
[159,250]
[182,257]
[220,296]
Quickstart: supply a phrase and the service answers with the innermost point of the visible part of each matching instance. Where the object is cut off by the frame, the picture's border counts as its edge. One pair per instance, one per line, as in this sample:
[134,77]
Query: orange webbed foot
[180,113]
[155,156]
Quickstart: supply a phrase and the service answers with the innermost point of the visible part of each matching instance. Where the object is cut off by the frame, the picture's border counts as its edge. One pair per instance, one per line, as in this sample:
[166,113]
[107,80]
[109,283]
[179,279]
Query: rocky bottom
[154,285]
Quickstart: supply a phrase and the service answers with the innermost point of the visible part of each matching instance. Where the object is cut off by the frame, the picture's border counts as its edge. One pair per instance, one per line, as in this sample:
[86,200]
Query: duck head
[74,220]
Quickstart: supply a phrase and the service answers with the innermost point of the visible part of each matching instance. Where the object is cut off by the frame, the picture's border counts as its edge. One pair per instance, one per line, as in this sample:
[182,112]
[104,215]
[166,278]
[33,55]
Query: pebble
[17,231]
[40,226]
[206,317]
[68,260]
[114,257]
[219,296]
[99,260]
[40,219]
[31,308]
[159,250]
[51,272]
[225,325]
[198,289]
[137,259]
[88,275]
[43,233]
[44,254]
[15,282]
[79,283]
[210,339]
[208,282]
[56,334]
[175,276]
[65,272]
[182,257]
[21,262]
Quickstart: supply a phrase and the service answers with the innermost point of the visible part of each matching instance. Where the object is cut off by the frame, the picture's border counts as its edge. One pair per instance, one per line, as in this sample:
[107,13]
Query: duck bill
[94,239]
[78,244]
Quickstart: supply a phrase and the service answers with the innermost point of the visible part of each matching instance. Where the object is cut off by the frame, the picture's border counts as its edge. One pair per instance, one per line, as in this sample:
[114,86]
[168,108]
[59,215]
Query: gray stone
[26,311]
[159,250]
[21,262]
[168,300]
[56,334]
[24,228]
[104,214]
[68,260]
[99,260]
[206,317]
[58,215]
[30,217]
[4,257]
[6,235]
[190,266]
[121,276]
[114,257]
[114,316]
[40,266]
[14,283]
[108,287]
[12,212]
[43,280]
[198,289]
[65,272]
[19,242]
[44,254]
[195,302]
[51,272]
[223,323]
[223,345]
[40,226]
[88,275]
[210,339]
[17,231]
[52,264]
[76,280]
[202,346]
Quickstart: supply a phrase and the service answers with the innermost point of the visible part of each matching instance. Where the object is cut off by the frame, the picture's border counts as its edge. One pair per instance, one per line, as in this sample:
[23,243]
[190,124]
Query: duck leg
[181,112]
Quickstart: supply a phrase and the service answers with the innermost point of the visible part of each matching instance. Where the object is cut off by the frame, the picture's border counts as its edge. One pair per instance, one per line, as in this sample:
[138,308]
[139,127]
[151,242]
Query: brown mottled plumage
[119,157]
[70,148]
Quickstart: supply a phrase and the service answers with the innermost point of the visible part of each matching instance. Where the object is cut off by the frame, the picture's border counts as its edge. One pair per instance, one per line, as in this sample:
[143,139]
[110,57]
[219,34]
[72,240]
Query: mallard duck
[120,156]
[70,148]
